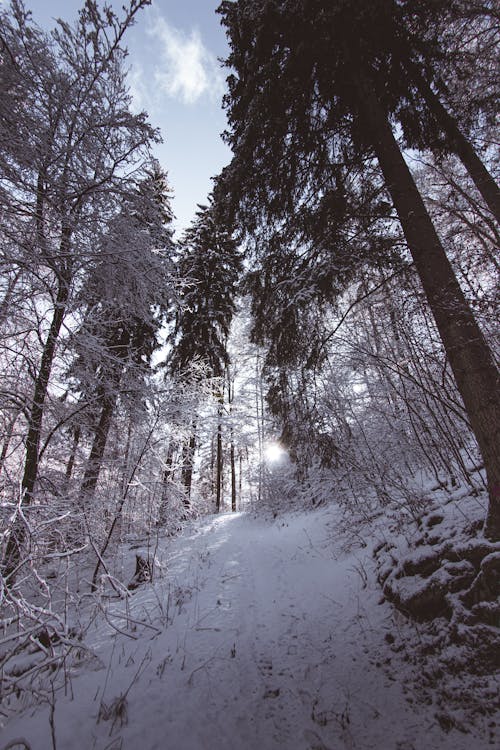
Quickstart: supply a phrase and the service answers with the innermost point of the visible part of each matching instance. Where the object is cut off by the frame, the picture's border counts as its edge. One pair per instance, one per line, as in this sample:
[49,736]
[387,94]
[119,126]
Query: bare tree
[64,159]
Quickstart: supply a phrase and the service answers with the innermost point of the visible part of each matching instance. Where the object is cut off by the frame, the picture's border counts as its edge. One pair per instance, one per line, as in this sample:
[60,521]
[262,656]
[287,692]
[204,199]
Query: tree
[210,266]
[433,72]
[315,85]
[127,295]
[64,158]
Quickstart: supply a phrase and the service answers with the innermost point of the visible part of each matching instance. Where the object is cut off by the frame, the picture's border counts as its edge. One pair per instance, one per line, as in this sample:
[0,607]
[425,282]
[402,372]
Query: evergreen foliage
[127,294]
[209,265]
[315,91]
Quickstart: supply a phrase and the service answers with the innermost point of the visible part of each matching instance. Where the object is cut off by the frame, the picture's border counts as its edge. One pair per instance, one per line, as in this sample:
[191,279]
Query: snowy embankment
[256,636]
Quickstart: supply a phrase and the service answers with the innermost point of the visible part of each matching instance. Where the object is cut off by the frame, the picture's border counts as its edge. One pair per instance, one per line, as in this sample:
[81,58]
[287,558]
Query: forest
[316,356]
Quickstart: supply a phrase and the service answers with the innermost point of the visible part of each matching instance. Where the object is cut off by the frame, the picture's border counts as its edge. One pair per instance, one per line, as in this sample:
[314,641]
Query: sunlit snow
[253,636]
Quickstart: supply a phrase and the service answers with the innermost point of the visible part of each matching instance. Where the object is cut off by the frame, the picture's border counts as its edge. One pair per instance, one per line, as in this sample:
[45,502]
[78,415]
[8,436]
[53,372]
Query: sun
[273,452]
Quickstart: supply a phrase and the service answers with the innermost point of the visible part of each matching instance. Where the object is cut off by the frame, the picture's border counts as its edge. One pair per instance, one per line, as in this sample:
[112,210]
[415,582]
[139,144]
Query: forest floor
[255,635]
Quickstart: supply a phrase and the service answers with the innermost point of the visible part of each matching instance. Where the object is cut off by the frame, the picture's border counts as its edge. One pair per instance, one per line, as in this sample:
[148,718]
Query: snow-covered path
[258,636]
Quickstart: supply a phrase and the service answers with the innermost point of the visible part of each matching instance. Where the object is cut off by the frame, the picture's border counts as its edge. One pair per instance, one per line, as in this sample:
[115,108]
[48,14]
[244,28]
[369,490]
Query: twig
[51,717]
[117,629]
[136,622]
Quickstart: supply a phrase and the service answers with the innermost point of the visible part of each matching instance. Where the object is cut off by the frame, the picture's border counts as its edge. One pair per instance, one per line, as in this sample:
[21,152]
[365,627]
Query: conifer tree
[316,85]
[127,293]
[209,265]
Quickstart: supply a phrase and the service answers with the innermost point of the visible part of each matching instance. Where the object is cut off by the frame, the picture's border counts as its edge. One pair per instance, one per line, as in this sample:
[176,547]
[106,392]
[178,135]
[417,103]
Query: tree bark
[18,532]
[233,474]
[461,146]
[187,466]
[77,431]
[218,498]
[5,304]
[7,439]
[94,462]
[167,476]
[230,399]
[119,508]
[40,394]
[109,395]
[470,358]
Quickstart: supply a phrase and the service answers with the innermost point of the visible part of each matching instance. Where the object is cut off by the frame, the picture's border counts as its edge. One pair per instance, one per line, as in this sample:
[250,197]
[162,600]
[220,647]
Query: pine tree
[209,266]
[127,292]
[316,85]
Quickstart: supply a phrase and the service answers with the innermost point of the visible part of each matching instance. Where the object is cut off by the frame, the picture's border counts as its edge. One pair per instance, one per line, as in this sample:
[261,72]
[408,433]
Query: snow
[257,635]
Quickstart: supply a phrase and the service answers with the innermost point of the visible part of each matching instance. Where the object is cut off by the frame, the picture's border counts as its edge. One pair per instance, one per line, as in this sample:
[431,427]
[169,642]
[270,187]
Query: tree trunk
[259,415]
[240,475]
[7,439]
[126,456]
[18,532]
[71,461]
[233,474]
[5,304]
[40,394]
[187,465]
[218,499]
[461,146]
[230,399]
[94,462]
[165,485]
[119,507]
[470,358]
[113,374]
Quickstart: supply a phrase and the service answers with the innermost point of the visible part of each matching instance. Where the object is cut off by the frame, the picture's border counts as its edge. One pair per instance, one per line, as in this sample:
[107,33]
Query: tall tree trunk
[5,304]
[77,432]
[165,483]
[126,455]
[7,439]
[240,475]
[94,462]
[259,412]
[120,505]
[233,473]
[461,146]
[187,465]
[113,374]
[230,399]
[18,532]
[470,358]
[40,394]
[218,497]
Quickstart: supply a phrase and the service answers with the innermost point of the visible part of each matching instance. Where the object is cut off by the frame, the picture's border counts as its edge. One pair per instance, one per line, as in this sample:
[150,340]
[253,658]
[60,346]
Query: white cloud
[188,70]
[138,89]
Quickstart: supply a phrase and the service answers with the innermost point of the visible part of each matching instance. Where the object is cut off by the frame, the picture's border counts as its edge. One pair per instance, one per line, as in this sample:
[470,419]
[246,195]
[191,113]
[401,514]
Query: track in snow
[274,640]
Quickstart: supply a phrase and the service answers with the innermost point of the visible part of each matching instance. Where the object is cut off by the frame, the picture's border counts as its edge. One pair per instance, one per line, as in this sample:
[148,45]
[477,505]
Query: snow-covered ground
[256,636]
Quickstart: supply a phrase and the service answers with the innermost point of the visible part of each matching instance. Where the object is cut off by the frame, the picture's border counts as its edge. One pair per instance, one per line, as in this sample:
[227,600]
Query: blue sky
[176,77]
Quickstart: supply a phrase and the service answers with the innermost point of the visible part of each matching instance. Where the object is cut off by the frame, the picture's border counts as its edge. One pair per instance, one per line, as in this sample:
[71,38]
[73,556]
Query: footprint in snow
[265,667]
